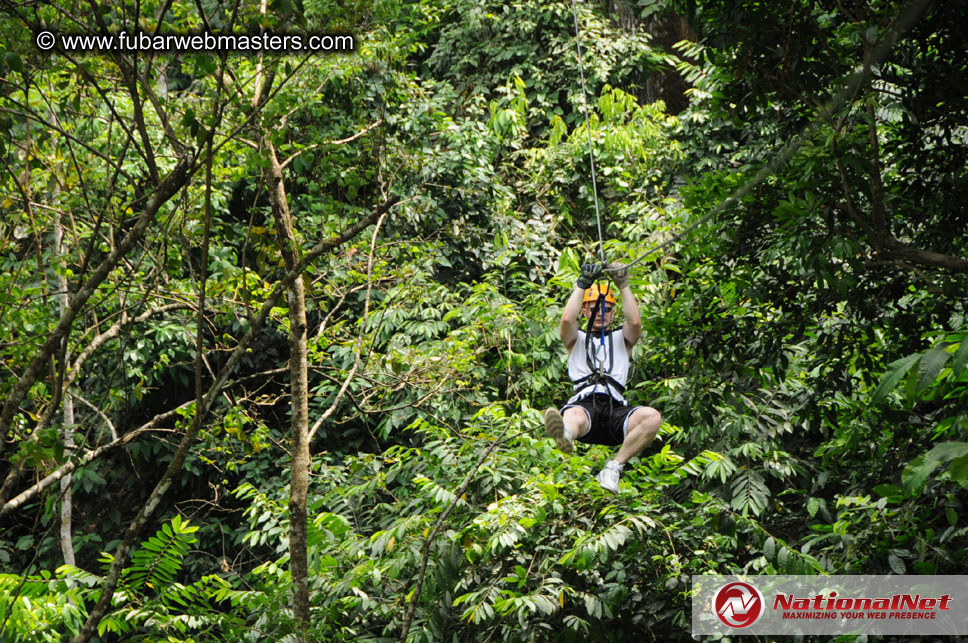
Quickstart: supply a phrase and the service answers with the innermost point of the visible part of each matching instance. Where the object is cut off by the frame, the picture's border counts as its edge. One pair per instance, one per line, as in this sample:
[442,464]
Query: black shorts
[608,418]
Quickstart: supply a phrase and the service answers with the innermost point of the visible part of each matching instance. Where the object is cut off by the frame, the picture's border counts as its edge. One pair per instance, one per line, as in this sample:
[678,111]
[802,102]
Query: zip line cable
[588,130]
[906,17]
[598,217]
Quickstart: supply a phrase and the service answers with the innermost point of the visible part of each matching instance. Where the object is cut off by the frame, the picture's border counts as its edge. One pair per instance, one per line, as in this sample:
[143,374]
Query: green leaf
[917,471]
[892,376]
[14,61]
[569,261]
[750,493]
[952,516]
[812,506]
[897,565]
[959,470]
[769,548]
[887,490]
[931,364]
[961,358]
[206,64]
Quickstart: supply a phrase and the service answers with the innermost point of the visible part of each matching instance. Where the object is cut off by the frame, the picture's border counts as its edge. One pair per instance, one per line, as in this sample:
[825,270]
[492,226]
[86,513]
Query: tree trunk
[299,399]
[66,510]
[666,28]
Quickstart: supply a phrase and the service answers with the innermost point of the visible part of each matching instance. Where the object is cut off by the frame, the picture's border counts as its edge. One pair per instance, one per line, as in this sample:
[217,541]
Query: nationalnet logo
[738,604]
[830,605]
[898,606]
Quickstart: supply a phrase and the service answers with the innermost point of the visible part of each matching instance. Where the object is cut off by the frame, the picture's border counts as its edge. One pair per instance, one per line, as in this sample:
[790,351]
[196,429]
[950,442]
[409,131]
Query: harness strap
[597,378]
[589,340]
[598,374]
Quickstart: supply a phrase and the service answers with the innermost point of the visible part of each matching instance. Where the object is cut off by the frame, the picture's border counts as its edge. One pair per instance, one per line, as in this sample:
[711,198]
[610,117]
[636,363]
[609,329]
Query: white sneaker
[608,477]
[555,426]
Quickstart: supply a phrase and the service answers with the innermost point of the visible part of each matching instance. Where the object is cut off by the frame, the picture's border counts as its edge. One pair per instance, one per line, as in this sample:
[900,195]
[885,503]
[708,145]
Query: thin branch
[96,343]
[342,141]
[107,421]
[433,534]
[110,105]
[88,457]
[203,279]
[167,188]
[931,286]
[359,338]
[29,114]
[416,405]
[114,331]
[888,247]
[176,144]
[342,300]
[877,182]
[256,376]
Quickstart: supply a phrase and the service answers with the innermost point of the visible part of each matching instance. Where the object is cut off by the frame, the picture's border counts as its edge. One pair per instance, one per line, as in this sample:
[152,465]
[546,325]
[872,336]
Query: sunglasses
[605,309]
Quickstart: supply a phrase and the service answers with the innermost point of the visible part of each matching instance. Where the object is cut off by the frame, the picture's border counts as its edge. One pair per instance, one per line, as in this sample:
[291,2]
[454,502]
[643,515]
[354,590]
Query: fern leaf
[750,493]
[159,559]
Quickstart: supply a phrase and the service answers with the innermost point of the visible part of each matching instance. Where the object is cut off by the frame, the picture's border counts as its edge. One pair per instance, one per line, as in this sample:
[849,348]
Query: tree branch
[89,456]
[70,377]
[359,338]
[886,245]
[166,189]
[301,459]
[433,534]
[341,141]
[154,499]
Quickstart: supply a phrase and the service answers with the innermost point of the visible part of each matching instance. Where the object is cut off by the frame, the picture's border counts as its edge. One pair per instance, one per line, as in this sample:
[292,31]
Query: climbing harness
[601,358]
[602,296]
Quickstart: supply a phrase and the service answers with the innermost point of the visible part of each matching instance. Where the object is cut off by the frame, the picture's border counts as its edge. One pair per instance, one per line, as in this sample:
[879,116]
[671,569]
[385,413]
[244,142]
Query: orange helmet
[593,293]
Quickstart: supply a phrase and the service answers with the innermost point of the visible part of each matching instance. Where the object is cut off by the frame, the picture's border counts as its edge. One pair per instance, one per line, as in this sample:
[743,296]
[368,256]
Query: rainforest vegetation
[277,327]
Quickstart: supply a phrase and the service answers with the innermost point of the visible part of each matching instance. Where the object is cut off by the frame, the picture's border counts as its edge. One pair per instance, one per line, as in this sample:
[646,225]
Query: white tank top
[578,363]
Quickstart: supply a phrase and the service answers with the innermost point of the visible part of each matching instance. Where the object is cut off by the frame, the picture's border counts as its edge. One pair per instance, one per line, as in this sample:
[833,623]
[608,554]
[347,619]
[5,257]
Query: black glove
[589,273]
[620,274]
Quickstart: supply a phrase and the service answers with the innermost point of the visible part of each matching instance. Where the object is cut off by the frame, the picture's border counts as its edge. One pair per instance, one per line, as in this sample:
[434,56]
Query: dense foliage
[806,339]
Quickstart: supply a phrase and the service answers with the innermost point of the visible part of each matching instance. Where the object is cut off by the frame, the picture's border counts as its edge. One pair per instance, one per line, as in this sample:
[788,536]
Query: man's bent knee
[576,420]
[645,419]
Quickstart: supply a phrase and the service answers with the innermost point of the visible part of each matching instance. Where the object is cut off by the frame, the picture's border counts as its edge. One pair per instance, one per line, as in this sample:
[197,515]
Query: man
[598,366]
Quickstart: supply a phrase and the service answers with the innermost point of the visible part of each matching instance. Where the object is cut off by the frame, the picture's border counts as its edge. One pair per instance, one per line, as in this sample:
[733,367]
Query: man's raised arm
[572,312]
[632,328]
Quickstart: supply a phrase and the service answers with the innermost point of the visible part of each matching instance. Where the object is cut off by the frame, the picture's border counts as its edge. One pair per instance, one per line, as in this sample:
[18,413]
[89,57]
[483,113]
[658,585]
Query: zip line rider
[598,366]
